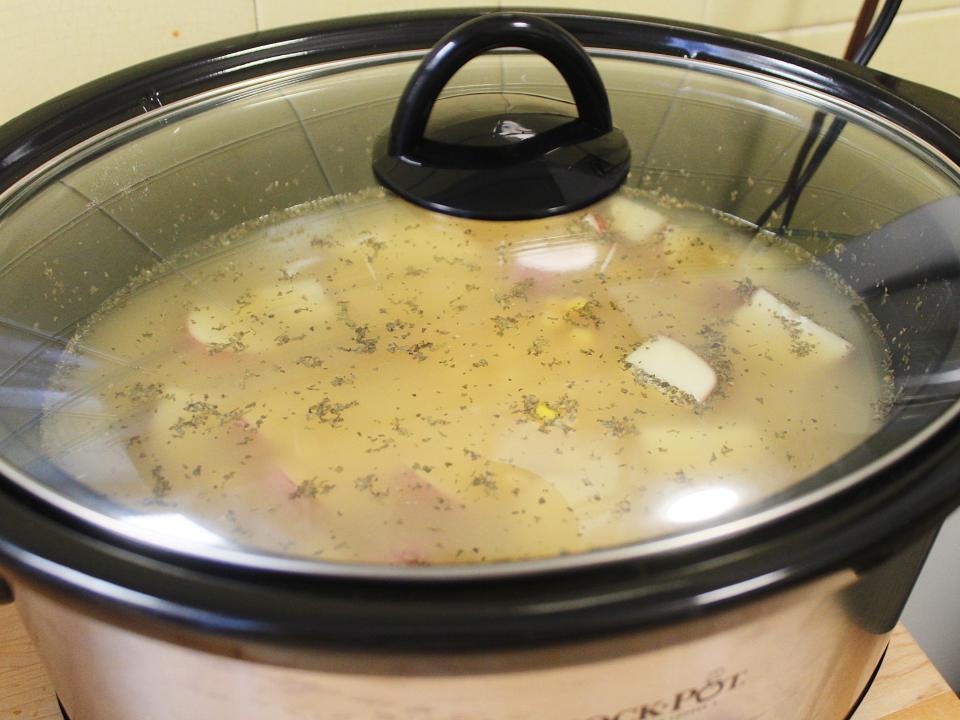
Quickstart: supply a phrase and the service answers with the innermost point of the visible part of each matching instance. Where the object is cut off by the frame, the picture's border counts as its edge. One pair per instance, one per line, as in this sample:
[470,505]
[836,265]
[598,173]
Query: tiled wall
[52,45]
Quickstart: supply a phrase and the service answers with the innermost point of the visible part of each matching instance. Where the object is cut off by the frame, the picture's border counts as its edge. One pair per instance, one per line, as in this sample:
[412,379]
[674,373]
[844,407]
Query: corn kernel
[545,412]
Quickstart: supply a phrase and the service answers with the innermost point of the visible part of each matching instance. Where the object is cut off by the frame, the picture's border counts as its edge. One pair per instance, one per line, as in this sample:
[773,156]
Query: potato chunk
[773,318]
[671,363]
[260,320]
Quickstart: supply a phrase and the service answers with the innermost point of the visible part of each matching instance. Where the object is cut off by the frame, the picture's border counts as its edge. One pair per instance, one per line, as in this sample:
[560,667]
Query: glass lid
[221,336]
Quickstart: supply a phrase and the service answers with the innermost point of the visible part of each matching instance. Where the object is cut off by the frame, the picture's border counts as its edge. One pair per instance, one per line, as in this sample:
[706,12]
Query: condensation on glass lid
[364,381]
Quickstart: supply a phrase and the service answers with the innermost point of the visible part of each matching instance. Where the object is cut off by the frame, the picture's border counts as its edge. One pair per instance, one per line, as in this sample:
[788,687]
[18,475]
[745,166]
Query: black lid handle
[487,33]
[512,164]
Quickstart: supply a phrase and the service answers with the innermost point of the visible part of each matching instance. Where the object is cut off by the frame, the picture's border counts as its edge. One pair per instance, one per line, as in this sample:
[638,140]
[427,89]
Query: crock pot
[777,608]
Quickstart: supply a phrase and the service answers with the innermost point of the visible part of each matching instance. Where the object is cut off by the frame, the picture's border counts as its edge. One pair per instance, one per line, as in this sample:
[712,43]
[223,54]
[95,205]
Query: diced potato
[500,512]
[413,488]
[699,447]
[261,320]
[672,363]
[768,318]
[690,250]
[279,483]
[215,329]
[630,220]
[519,512]
[558,257]
[185,420]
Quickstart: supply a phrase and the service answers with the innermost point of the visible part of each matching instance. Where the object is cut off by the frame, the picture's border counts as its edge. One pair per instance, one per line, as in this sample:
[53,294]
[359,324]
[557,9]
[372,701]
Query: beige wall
[52,45]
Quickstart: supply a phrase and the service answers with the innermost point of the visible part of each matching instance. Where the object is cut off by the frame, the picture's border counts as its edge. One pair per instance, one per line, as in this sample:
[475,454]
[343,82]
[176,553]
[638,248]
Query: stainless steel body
[803,654]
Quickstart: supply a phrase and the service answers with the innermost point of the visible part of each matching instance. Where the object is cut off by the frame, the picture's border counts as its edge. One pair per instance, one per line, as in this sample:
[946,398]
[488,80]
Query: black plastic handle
[487,33]
[512,164]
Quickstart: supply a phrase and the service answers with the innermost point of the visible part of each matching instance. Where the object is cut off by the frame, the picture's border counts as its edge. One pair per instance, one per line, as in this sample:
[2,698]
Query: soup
[361,380]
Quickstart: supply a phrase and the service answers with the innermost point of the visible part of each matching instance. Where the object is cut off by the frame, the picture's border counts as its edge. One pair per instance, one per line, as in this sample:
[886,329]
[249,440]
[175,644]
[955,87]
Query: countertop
[907,688]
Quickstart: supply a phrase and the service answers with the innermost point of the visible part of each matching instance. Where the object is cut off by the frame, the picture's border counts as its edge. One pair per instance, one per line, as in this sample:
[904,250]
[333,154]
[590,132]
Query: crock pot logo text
[685,702]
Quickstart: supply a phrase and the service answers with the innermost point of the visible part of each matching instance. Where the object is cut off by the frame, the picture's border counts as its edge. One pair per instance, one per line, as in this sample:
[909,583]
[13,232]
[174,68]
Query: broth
[366,381]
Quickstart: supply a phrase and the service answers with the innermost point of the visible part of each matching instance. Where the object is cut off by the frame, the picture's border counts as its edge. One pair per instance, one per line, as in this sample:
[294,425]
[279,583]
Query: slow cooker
[776,605]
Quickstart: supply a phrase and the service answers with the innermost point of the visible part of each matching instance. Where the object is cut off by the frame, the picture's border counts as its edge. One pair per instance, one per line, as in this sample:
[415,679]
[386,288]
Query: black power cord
[870,44]
[803,169]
